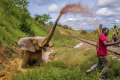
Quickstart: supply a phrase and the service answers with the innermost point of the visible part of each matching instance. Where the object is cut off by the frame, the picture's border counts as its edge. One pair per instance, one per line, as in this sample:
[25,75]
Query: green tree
[70,28]
[44,17]
[65,26]
[83,32]
[37,17]
[59,25]
[111,28]
[51,23]
[17,8]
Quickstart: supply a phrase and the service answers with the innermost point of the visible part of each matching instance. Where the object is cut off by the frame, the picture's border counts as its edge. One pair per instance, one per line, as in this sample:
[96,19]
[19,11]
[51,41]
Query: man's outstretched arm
[109,44]
[113,36]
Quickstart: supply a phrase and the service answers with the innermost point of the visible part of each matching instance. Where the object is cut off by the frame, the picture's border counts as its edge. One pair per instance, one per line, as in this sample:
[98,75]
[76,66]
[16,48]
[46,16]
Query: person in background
[102,52]
[115,32]
[98,32]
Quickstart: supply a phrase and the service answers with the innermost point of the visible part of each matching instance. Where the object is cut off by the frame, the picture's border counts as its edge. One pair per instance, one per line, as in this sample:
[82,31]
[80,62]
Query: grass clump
[114,71]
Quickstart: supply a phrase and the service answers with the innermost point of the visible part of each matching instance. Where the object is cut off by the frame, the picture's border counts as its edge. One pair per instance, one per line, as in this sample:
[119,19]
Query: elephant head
[32,43]
[37,43]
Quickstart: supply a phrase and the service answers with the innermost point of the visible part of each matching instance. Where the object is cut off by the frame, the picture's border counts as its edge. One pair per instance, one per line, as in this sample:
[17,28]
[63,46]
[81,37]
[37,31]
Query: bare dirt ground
[10,67]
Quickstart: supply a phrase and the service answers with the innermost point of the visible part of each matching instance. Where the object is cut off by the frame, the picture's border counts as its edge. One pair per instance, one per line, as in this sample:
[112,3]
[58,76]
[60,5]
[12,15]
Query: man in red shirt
[102,52]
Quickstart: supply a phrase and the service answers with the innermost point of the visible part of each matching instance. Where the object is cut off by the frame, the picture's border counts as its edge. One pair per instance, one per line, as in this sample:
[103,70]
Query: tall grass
[39,30]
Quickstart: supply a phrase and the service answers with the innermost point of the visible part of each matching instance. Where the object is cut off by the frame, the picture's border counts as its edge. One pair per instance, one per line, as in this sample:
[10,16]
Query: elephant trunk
[49,36]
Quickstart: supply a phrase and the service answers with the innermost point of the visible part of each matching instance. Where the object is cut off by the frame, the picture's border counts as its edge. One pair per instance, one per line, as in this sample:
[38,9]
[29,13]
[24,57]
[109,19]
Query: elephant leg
[26,57]
[22,53]
[38,61]
[41,60]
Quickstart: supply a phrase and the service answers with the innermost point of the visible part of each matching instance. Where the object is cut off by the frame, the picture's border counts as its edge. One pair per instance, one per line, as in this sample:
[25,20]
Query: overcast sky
[107,12]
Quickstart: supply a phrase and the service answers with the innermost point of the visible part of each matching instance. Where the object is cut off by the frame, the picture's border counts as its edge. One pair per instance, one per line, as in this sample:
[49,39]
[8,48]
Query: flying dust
[77,9]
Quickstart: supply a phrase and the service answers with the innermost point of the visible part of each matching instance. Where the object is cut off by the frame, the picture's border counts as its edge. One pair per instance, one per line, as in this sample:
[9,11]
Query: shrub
[83,32]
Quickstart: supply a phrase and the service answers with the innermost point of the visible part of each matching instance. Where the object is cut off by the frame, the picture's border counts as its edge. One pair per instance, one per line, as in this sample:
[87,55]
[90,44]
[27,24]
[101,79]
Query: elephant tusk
[42,44]
[51,46]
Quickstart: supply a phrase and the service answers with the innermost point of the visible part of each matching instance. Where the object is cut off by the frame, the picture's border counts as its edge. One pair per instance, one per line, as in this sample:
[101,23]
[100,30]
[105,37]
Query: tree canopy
[51,23]
[44,17]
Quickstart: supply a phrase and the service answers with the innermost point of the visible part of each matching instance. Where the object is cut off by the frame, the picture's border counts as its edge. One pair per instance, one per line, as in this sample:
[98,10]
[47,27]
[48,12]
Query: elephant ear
[26,44]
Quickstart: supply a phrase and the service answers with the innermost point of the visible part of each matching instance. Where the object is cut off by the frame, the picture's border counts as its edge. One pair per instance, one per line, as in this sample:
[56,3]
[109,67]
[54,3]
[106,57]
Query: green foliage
[59,25]
[70,28]
[51,23]
[38,30]
[111,28]
[26,27]
[37,17]
[83,32]
[66,27]
[18,9]
[62,41]
[45,17]
[42,18]
[114,71]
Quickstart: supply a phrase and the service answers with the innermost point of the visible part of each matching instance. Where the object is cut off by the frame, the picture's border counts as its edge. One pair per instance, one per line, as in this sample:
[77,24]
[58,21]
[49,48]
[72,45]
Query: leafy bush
[66,27]
[51,23]
[59,25]
[83,32]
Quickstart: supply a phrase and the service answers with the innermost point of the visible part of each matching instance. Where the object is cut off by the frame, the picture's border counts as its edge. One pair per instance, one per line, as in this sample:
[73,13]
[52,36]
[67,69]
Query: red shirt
[102,50]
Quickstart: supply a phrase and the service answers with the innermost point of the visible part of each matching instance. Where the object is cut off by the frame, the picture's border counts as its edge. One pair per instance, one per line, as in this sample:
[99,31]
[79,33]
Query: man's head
[114,25]
[100,26]
[105,31]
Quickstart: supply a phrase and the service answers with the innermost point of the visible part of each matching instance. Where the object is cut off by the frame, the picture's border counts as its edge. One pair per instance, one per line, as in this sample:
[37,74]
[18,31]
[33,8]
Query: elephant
[32,47]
